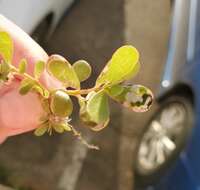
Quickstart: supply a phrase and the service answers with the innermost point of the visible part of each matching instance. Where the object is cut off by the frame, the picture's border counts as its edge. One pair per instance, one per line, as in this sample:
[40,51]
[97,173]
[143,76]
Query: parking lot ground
[147,26]
[92,30]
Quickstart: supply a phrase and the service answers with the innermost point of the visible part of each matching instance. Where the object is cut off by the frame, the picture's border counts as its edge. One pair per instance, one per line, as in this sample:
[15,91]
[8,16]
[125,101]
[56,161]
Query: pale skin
[20,114]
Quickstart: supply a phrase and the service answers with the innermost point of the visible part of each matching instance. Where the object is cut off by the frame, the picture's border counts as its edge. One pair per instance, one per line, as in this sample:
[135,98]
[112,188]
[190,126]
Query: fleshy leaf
[67,127]
[6,46]
[82,69]
[4,71]
[123,65]
[137,97]
[58,128]
[134,71]
[5,68]
[41,130]
[26,86]
[115,90]
[61,104]
[39,68]
[62,70]
[61,127]
[97,107]
[100,126]
[95,111]
[22,66]
[43,92]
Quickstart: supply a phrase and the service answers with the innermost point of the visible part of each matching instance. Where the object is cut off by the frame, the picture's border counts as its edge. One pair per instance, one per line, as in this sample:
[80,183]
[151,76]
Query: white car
[36,17]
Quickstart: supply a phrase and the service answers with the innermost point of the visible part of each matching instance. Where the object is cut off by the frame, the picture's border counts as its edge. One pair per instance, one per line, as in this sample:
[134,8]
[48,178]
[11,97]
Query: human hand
[19,114]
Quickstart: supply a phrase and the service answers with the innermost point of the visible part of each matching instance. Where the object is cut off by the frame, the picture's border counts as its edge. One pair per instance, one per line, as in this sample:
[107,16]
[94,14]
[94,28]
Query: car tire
[144,178]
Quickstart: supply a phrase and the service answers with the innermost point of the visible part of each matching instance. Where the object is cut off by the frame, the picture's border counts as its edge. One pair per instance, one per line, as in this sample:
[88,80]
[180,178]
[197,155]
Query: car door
[25,13]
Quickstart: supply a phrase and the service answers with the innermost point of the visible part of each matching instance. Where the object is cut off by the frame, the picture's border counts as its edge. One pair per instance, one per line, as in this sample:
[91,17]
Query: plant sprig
[94,105]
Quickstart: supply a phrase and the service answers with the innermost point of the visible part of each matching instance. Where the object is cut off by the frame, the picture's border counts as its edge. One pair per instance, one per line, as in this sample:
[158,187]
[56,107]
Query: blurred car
[36,17]
[168,155]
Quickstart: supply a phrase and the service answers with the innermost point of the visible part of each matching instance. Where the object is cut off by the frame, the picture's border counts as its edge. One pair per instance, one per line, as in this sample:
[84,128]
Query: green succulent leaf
[6,46]
[61,127]
[38,69]
[41,130]
[82,103]
[61,104]
[101,126]
[5,67]
[58,128]
[4,71]
[134,71]
[137,97]
[115,90]
[39,89]
[63,71]
[95,110]
[22,66]
[123,65]
[97,107]
[67,127]
[82,69]
[26,86]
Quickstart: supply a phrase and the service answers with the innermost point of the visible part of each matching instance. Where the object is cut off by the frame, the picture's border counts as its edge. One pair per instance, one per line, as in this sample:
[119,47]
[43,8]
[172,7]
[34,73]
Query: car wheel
[163,139]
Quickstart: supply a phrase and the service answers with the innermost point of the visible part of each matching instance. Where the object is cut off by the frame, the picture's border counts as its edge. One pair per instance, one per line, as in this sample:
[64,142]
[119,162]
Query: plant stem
[82,91]
[69,92]
[79,136]
[25,75]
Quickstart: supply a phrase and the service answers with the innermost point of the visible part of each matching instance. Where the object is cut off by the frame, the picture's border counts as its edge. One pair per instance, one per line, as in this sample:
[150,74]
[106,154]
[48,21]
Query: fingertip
[3,136]
[24,45]
[2,140]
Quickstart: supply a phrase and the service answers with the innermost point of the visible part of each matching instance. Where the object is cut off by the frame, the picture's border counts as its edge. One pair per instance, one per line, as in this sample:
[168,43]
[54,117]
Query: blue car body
[182,71]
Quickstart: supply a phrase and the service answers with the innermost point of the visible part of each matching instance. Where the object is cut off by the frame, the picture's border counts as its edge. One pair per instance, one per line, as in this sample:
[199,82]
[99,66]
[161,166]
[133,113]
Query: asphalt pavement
[92,30]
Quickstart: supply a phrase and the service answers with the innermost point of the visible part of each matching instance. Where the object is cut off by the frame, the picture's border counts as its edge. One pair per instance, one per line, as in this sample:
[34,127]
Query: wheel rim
[162,137]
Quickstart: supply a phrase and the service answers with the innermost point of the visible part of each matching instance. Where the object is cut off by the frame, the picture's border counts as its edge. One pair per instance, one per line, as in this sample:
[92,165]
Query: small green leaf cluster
[4,71]
[94,102]
[6,51]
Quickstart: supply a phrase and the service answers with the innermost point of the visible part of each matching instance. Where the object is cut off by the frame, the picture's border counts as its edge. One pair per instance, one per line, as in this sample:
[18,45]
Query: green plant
[94,107]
